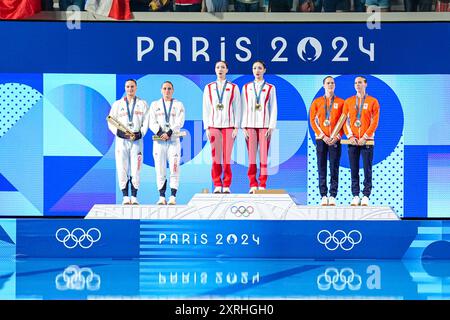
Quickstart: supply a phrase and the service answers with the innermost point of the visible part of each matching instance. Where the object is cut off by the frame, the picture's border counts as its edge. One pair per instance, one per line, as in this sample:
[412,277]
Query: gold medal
[326,123]
[257,106]
[357,123]
[219,106]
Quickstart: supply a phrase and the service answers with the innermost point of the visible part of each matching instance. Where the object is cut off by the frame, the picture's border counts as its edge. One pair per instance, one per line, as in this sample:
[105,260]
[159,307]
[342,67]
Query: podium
[221,226]
[260,206]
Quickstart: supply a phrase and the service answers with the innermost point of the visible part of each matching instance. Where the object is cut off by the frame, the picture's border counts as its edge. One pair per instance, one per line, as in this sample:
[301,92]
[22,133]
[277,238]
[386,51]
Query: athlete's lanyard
[220,95]
[328,108]
[130,114]
[167,114]
[258,95]
[359,107]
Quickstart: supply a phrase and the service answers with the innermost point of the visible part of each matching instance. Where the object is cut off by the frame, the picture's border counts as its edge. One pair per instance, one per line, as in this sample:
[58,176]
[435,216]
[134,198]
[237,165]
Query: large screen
[57,84]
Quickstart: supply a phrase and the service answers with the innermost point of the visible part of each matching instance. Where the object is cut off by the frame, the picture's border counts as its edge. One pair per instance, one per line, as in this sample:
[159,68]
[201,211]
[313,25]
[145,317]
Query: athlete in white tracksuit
[132,112]
[259,119]
[166,118]
[221,119]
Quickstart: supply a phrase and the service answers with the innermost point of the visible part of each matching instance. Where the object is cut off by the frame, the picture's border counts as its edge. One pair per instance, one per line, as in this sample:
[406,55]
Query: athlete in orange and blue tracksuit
[363,113]
[324,114]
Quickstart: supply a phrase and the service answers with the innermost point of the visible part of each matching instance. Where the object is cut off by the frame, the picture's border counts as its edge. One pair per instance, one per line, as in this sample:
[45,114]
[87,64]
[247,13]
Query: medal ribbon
[130,115]
[359,107]
[328,108]
[167,114]
[258,95]
[220,96]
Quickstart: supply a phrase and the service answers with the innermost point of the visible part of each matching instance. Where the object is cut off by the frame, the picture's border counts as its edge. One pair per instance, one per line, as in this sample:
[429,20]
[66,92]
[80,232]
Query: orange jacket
[317,116]
[369,118]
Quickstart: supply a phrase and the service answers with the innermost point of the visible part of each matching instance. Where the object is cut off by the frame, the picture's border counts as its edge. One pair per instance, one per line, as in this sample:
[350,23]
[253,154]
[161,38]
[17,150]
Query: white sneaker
[226,190]
[365,201]
[126,200]
[261,188]
[172,200]
[324,201]
[161,201]
[356,201]
[332,201]
[253,190]
[217,190]
[134,200]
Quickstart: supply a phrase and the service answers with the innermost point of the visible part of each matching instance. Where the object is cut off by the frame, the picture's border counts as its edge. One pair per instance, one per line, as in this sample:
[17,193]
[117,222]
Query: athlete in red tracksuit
[221,118]
[259,119]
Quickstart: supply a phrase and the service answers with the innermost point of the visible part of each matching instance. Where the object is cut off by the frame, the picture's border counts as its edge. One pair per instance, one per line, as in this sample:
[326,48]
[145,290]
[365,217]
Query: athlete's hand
[164,137]
[245,133]
[269,132]
[362,141]
[332,141]
[354,141]
[234,133]
[208,134]
[326,139]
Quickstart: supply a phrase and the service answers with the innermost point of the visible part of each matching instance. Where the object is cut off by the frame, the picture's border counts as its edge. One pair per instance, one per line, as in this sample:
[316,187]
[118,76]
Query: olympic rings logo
[339,239]
[78,237]
[242,211]
[76,278]
[339,279]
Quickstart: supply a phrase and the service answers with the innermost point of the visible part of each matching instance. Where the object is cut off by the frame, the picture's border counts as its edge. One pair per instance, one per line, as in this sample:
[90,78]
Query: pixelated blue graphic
[86,109]
[4,236]
[22,166]
[72,169]
[5,185]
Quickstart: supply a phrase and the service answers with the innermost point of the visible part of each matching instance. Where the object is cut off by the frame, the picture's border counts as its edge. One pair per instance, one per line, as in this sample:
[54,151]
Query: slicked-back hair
[365,79]
[132,81]
[167,81]
[260,61]
[323,81]
[223,61]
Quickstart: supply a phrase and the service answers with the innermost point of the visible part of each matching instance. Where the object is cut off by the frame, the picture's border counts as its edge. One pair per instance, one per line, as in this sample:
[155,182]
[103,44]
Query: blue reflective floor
[63,279]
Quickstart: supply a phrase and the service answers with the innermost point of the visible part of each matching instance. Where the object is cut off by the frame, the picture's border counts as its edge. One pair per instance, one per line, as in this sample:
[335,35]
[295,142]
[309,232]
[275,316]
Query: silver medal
[326,123]
[357,123]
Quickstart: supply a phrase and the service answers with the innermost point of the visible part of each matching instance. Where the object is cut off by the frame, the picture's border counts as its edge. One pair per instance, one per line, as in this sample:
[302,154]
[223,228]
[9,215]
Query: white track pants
[129,157]
[164,151]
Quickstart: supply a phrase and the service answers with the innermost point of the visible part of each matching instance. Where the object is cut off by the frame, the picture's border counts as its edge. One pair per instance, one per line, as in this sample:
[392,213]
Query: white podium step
[240,207]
